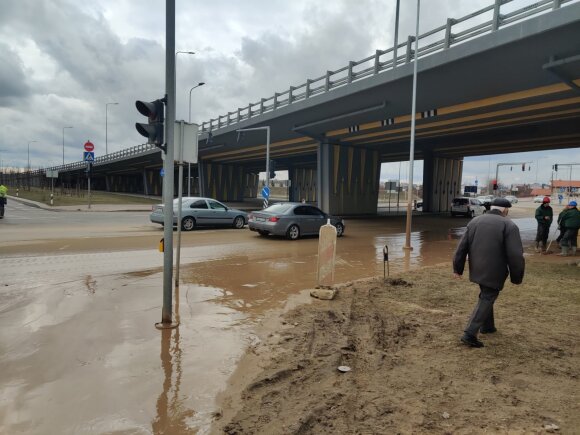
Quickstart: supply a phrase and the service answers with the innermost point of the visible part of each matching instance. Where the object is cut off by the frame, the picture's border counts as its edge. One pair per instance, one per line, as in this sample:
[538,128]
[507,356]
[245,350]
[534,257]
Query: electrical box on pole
[186,144]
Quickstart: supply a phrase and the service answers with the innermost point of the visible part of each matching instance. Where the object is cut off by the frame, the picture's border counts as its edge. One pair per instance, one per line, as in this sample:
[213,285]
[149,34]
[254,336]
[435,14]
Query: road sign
[88,156]
[89,146]
[265,192]
[162,172]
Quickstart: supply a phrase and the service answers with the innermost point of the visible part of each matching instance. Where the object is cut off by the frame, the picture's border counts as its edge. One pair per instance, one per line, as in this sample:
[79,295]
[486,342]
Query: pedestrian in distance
[571,222]
[544,217]
[3,195]
[560,198]
[494,247]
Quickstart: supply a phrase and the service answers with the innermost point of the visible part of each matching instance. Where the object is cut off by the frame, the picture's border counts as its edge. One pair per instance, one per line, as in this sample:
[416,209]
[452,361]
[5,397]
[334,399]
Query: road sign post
[265,194]
[89,157]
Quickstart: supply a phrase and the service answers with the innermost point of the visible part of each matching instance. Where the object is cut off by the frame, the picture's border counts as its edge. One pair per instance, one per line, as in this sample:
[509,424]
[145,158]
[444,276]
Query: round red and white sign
[89,146]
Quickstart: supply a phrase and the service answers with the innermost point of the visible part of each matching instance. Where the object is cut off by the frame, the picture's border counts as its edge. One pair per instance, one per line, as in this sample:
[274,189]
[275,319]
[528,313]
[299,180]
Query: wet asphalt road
[80,292]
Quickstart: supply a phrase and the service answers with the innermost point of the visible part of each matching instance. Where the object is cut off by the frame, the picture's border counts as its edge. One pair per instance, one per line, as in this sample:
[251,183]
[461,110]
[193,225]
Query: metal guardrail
[358,70]
[380,62]
[137,150]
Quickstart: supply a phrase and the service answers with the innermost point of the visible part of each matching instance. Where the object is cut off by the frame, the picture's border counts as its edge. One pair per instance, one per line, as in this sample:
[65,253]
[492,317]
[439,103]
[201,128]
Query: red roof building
[565,183]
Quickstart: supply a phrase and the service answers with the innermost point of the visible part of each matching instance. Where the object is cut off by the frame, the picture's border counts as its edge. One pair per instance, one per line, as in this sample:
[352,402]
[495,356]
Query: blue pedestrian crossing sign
[265,192]
[162,172]
[88,156]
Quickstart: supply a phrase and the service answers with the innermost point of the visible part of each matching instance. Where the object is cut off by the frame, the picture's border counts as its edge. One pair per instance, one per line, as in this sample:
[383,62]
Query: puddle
[80,351]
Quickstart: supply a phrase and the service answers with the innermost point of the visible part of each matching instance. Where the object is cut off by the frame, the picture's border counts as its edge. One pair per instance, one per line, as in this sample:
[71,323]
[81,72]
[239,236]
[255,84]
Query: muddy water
[79,350]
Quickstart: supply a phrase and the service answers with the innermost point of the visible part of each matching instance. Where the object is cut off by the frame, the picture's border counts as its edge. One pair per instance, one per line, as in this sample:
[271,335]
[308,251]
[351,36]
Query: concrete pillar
[441,182]
[224,182]
[346,181]
[145,184]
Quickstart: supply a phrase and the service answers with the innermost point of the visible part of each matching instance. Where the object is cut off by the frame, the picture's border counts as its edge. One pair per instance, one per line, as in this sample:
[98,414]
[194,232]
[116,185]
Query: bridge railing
[454,32]
[107,158]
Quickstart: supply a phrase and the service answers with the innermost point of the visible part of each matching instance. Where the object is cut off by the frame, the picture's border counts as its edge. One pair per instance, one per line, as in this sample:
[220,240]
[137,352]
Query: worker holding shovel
[570,221]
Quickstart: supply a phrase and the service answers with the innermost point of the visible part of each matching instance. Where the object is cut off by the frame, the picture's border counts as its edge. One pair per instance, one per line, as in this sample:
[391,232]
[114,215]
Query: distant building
[566,187]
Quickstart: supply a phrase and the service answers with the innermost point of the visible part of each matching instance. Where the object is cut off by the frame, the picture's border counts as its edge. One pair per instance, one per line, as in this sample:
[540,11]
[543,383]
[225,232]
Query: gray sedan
[202,212]
[292,220]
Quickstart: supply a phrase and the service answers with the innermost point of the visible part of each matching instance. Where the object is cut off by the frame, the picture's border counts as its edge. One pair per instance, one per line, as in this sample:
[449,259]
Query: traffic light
[153,130]
[272,168]
[556,167]
[494,182]
[523,166]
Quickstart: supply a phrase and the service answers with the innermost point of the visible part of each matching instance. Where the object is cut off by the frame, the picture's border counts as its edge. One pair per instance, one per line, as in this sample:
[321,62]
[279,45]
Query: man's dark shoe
[471,341]
[488,330]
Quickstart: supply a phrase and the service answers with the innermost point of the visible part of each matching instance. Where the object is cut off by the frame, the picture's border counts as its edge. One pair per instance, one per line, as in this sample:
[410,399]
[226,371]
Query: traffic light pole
[569,165]
[506,164]
[168,179]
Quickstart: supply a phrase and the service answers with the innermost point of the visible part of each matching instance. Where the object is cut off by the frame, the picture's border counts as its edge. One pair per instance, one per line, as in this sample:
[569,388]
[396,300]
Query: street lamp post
[29,142]
[107,126]
[175,84]
[267,128]
[63,144]
[412,147]
[189,163]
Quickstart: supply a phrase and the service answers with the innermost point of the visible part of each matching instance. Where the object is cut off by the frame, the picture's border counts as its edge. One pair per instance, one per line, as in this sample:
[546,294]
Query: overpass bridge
[495,81]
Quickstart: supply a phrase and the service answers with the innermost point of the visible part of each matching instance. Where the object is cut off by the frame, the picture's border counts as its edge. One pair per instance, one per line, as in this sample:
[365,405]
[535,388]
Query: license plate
[259,219]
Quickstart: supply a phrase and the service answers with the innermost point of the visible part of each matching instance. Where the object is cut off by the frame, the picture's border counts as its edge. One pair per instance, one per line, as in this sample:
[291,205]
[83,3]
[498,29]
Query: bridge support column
[347,179]
[302,185]
[441,182]
[145,184]
[224,182]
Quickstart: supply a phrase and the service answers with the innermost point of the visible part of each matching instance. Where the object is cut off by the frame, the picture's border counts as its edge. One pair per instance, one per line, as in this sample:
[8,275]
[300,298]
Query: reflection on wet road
[79,350]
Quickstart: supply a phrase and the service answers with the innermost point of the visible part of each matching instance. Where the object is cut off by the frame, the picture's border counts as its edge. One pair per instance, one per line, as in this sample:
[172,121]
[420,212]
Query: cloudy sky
[62,61]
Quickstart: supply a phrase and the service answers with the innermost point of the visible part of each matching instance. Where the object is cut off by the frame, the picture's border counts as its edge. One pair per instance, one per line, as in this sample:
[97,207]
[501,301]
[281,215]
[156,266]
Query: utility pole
[168,178]
[507,164]
[570,166]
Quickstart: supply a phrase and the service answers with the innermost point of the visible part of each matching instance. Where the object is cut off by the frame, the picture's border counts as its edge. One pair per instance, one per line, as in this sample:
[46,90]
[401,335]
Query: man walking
[495,252]
[544,217]
[571,223]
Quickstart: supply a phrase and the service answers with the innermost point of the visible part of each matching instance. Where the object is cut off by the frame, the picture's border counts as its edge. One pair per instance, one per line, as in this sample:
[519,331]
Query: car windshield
[460,201]
[278,208]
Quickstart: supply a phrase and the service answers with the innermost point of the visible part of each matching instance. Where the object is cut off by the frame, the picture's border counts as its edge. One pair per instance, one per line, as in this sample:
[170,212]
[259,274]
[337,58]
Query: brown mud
[409,372]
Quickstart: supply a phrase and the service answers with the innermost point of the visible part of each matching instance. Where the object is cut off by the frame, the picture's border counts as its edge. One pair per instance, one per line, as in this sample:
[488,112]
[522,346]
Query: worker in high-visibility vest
[3,194]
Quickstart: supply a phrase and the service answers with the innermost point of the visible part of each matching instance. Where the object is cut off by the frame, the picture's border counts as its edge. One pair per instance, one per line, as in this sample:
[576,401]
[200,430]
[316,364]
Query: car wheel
[293,232]
[339,229]
[262,232]
[239,222]
[187,223]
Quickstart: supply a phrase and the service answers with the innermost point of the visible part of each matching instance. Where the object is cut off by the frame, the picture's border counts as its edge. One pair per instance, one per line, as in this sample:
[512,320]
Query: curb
[43,206]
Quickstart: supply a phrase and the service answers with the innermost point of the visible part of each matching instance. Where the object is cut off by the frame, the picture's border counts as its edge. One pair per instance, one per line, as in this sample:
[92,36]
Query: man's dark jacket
[495,251]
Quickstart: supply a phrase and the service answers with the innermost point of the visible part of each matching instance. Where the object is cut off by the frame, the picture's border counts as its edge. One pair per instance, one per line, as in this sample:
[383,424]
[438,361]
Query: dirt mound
[409,373]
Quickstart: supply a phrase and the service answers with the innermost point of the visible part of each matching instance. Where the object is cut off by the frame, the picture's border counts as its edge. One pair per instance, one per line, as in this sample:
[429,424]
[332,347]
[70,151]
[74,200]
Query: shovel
[547,251]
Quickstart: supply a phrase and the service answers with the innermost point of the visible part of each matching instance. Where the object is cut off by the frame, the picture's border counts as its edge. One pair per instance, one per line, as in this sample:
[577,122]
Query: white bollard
[326,254]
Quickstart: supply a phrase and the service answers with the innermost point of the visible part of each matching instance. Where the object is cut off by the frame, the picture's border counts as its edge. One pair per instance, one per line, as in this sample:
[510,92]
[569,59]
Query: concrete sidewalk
[251,204]
[84,207]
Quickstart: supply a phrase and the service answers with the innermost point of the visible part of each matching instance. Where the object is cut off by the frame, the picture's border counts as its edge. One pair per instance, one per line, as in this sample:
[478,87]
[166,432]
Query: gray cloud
[13,83]
[63,60]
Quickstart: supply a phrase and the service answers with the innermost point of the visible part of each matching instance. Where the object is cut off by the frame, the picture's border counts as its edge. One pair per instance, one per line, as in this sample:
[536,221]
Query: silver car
[197,212]
[292,220]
